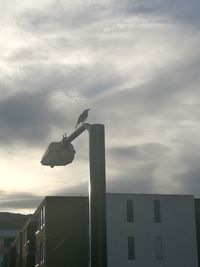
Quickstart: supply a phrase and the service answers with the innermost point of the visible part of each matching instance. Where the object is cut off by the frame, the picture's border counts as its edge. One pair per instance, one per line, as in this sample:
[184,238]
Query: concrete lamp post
[62,153]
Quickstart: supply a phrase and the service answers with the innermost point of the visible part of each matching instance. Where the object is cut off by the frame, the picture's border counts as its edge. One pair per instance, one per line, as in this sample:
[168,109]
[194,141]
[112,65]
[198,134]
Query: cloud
[58,16]
[172,95]
[144,152]
[188,176]
[19,200]
[133,168]
[75,190]
[178,10]
[26,117]
[135,63]
[44,98]
[137,181]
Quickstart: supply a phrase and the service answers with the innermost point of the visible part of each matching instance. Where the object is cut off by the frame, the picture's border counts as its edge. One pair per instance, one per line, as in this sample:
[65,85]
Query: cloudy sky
[135,63]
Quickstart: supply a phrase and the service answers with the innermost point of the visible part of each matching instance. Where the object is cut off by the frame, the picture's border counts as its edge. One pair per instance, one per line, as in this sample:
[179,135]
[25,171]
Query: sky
[135,63]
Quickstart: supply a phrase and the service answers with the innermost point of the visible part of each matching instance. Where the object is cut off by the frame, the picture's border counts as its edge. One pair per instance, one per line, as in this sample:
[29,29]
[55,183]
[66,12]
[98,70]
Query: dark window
[37,256]
[8,241]
[131,248]
[159,248]
[41,252]
[157,212]
[42,218]
[129,210]
[24,237]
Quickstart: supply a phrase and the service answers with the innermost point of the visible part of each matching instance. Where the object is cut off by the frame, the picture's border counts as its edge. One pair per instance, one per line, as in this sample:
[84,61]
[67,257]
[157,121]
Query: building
[56,235]
[10,224]
[6,238]
[197,210]
[151,230]
[143,230]
[28,245]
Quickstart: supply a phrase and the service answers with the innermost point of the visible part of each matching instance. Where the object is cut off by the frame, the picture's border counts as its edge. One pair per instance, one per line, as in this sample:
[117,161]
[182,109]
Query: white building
[151,230]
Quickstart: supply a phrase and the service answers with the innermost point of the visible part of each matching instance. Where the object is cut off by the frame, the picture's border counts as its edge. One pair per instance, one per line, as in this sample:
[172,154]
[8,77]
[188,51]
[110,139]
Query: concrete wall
[177,229]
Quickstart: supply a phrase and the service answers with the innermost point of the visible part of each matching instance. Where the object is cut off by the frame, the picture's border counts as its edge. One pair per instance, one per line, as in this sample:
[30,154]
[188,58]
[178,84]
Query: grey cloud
[171,87]
[26,117]
[30,114]
[90,81]
[164,97]
[144,152]
[190,181]
[177,10]
[19,200]
[21,204]
[61,15]
[43,95]
[133,169]
[76,190]
[31,110]
[181,174]
[28,55]
[160,107]
[138,179]
[189,176]
[135,179]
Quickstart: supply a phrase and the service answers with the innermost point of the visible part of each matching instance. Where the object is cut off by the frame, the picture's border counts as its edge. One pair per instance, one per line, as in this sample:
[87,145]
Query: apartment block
[151,230]
[143,230]
[6,238]
[56,235]
[10,224]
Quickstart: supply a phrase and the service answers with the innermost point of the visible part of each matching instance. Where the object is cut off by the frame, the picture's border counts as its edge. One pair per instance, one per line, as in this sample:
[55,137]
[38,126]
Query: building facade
[142,231]
[10,224]
[151,230]
[6,239]
[197,210]
[56,235]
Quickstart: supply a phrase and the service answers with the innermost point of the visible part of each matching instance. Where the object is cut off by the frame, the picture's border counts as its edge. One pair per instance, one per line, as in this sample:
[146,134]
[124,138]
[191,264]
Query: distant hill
[15,221]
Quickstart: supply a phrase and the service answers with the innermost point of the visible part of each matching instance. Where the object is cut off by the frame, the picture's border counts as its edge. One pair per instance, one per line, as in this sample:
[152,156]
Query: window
[159,248]
[40,250]
[24,237]
[37,259]
[129,210]
[8,241]
[42,218]
[131,248]
[1,243]
[157,212]
[37,217]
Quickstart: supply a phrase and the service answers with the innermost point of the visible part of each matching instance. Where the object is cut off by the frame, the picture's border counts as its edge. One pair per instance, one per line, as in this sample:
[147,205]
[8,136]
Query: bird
[82,117]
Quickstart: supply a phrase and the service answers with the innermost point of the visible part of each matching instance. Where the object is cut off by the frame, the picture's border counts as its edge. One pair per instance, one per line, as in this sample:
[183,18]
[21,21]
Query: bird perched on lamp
[82,117]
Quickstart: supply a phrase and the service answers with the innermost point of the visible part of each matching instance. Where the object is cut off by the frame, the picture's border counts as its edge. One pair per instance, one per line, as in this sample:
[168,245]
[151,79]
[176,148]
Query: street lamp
[62,153]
